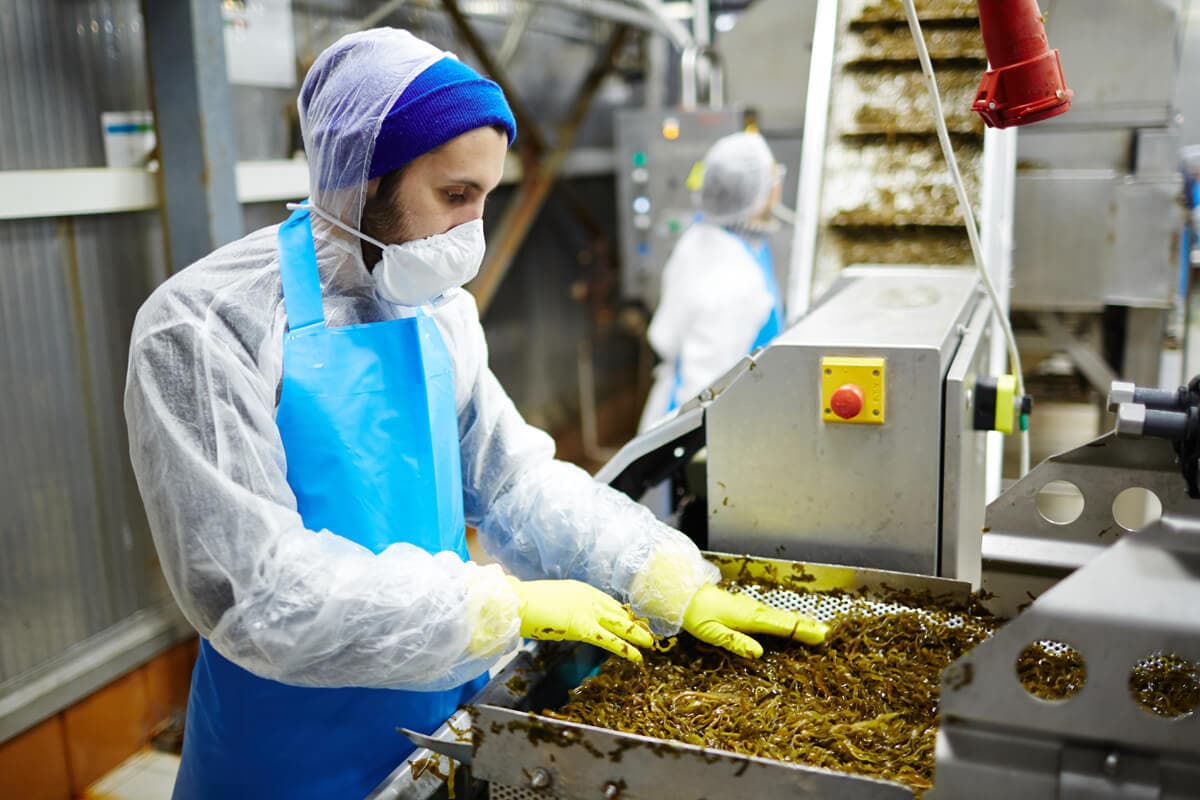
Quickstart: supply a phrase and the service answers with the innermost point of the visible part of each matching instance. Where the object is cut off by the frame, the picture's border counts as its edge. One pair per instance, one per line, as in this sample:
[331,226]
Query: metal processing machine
[852,438]
[1113,603]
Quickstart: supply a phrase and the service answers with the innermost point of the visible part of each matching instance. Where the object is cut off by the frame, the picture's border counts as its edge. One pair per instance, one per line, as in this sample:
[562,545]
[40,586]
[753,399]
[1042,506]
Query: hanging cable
[914,25]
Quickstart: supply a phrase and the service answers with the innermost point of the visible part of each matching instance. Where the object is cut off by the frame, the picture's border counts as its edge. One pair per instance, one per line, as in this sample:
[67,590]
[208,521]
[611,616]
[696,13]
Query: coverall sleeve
[544,518]
[287,603]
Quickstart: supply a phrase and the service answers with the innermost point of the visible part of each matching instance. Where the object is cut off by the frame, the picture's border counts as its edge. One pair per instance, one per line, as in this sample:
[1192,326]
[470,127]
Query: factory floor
[148,775]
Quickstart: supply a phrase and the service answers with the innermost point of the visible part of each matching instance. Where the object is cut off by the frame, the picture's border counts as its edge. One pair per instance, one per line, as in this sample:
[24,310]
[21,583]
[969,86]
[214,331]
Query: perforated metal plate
[826,607]
[816,598]
[498,792]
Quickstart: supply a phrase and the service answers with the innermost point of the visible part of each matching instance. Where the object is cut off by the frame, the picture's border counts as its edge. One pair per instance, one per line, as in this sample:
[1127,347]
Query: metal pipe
[678,34]
[619,12]
[802,270]
[515,32]
[690,74]
[526,122]
[701,26]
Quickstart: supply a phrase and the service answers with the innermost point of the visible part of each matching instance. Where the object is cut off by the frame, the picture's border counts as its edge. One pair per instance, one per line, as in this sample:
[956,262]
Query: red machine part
[1025,83]
[847,401]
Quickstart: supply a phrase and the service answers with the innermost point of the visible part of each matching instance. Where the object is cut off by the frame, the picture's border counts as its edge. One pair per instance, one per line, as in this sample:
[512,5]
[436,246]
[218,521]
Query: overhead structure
[1097,220]
[874,187]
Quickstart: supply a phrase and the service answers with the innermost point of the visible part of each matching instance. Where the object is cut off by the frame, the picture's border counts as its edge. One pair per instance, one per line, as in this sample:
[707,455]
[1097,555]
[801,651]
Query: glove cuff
[493,606]
[670,578]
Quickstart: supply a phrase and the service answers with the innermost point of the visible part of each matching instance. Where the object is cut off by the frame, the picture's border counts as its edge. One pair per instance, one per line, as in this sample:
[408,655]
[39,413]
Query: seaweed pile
[1166,685]
[865,701]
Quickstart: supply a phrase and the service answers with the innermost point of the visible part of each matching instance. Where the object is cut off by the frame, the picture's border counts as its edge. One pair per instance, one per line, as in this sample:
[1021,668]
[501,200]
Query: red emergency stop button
[847,401]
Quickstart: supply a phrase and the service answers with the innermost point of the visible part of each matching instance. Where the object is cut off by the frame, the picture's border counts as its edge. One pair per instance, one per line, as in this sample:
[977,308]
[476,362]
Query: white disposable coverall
[311,607]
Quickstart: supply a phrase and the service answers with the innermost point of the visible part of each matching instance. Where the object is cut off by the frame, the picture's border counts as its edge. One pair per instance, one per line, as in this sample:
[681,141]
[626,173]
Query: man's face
[440,190]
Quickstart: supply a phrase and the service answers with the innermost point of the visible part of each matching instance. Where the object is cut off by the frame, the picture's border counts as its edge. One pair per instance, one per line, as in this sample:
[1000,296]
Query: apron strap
[298,269]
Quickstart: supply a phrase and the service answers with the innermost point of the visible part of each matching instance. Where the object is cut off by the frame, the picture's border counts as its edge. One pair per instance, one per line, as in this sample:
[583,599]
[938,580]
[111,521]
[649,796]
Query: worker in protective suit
[719,298]
[312,419]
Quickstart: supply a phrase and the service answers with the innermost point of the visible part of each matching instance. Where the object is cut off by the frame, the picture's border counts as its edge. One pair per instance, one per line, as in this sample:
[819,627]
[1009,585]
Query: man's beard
[383,219]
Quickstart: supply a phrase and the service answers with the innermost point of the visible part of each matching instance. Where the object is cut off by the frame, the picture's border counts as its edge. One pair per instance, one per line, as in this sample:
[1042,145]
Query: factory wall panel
[33,766]
[61,65]
[77,557]
[51,575]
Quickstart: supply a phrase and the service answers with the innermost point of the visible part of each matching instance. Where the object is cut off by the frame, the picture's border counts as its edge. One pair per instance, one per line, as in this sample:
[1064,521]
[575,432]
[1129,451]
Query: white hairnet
[739,175]
[344,99]
[312,607]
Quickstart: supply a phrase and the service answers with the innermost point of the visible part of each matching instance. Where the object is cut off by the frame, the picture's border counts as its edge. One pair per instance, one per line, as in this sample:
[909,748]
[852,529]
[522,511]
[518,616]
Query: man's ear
[373,188]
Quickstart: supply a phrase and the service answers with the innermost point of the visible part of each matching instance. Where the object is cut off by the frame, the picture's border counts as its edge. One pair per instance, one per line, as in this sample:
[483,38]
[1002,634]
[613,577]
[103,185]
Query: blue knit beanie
[446,100]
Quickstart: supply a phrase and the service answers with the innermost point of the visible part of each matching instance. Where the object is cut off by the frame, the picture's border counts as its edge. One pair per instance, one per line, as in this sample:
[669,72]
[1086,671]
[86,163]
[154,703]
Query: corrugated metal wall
[75,554]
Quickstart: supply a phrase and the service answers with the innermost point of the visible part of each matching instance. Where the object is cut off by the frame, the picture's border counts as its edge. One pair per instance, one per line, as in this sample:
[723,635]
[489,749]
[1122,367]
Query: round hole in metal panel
[1051,670]
[1165,685]
[1060,502]
[1136,507]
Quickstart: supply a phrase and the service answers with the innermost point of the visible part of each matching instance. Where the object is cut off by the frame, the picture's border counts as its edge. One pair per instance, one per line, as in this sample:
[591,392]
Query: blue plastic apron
[770,329]
[369,426]
[774,324]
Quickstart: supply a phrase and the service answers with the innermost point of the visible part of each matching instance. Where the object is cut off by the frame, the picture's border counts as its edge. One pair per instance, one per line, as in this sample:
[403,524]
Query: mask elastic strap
[332,220]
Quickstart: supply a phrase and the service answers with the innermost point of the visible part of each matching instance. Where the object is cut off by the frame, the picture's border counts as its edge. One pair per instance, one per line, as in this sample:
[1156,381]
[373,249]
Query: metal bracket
[1025,553]
[1134,601]
[1097,371]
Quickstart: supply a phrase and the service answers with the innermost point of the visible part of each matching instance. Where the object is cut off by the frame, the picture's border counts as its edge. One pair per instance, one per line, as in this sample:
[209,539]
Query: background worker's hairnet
[739,176]
[311,607]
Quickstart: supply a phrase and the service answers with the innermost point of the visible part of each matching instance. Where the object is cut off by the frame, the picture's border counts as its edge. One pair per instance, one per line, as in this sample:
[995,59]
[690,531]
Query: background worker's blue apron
[370,430]
[761,252]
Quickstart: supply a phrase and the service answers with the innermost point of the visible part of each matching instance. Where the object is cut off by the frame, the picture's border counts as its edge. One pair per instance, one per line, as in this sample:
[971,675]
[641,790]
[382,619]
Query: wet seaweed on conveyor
[865,702]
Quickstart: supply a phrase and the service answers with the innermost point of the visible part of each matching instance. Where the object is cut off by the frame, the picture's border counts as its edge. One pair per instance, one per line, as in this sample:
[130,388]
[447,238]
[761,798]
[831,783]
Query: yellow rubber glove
[723,619]
[574,611]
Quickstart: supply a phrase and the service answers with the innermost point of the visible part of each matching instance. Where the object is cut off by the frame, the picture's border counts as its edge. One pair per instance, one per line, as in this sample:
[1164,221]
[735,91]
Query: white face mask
[418,272]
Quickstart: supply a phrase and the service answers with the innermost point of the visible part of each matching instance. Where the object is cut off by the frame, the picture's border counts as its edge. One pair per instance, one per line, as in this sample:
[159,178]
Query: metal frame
[193,113]
[1093,366]
[1132,602]
[1024,553]
[964,457]
[541,169]
[812,161]
[581,761]
[529,755]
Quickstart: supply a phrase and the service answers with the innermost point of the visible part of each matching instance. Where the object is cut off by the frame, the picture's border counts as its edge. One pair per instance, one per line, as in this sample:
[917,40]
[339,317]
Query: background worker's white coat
[714,302]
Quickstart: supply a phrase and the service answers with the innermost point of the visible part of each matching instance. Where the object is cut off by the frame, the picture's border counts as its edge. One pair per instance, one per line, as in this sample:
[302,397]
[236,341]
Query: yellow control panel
[852,390]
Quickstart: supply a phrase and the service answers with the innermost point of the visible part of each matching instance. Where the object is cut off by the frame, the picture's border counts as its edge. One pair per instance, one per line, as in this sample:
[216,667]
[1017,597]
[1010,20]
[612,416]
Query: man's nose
[468,213]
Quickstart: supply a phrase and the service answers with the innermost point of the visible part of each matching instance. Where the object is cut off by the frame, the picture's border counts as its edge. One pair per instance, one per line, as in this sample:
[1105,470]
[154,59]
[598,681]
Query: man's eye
[456,197]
